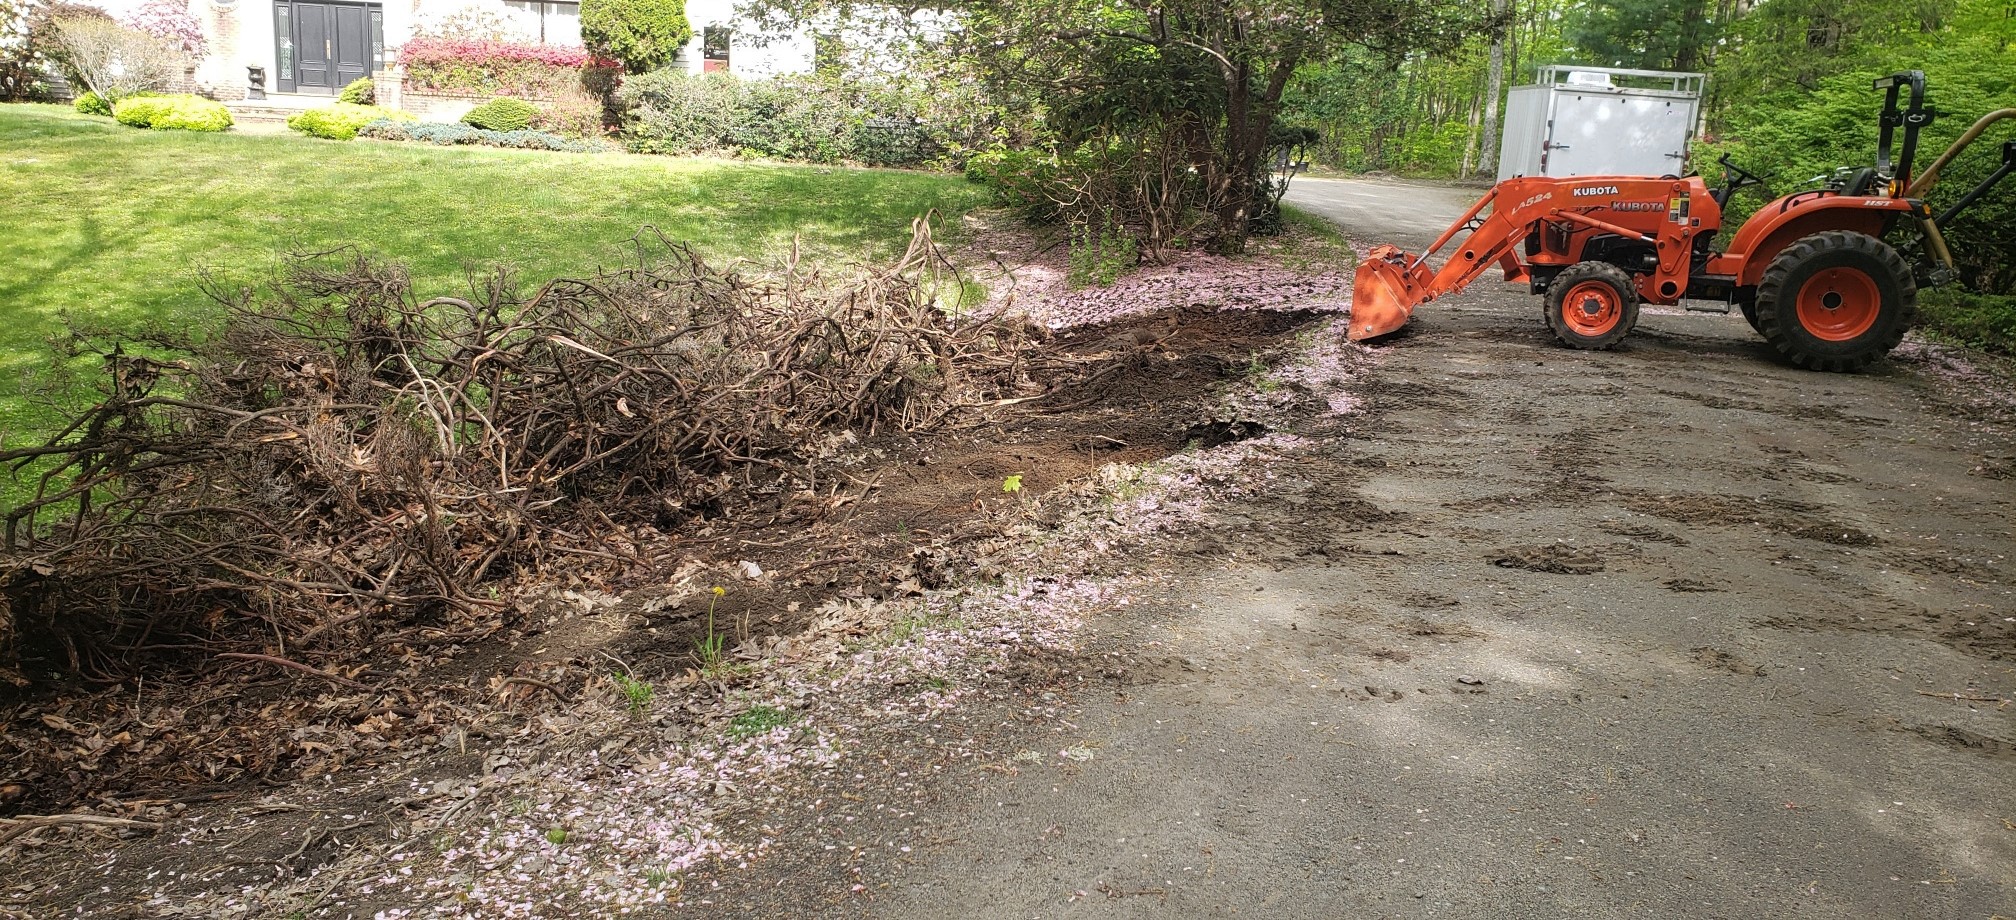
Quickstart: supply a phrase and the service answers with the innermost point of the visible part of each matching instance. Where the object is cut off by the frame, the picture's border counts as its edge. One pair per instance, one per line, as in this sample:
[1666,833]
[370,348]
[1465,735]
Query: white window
[550,23]
[714,43]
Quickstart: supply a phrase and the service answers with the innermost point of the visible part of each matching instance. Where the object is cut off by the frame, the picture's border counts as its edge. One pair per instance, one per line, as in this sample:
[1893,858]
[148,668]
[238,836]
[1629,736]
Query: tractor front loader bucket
[1387,290]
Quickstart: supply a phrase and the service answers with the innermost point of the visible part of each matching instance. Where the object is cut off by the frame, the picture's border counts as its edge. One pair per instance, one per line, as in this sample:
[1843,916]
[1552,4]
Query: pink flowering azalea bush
[501,68]
[171,22]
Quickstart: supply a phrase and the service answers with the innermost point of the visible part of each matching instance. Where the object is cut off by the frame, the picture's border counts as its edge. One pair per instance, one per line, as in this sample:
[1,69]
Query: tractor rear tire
[1592,305]
[1836,301]
[1749,308]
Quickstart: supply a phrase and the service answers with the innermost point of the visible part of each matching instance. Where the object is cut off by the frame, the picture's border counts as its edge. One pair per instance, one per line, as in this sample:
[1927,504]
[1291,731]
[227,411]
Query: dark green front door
[324,46]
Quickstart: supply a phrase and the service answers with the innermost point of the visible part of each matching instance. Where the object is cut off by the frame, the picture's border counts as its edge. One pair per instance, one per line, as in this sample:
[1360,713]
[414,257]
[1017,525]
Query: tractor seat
[1860,182]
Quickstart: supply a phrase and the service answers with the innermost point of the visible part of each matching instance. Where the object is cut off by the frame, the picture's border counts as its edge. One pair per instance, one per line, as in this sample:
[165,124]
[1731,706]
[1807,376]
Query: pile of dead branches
[346,457]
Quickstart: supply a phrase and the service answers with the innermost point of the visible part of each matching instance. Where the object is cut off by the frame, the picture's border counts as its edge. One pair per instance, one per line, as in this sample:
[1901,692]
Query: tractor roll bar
[1913,118]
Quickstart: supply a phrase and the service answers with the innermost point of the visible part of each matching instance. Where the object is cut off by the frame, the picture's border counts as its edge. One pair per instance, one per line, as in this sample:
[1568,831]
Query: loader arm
[1391,283]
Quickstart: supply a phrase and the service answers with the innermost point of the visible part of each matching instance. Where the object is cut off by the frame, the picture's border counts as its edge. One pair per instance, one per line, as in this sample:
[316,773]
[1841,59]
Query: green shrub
[573,113]
[1101,255]
[1092,191]
[1981,320]
[92,104]
[795,119]
[385,129]
[893,141]
[643,34]
[195,113]
[172,113]
[339,122]
[139,112]
[668,111]
[361,91]
[502,114]
[1024,180]
[816,118]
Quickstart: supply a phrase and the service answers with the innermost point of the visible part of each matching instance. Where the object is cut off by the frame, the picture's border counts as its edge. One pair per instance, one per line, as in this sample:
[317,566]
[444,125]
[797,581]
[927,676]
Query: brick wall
[428,106]
[437,107]
[227,79]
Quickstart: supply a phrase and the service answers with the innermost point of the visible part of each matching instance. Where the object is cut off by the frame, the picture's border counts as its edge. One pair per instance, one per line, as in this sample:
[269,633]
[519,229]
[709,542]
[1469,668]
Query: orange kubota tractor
[1810,271]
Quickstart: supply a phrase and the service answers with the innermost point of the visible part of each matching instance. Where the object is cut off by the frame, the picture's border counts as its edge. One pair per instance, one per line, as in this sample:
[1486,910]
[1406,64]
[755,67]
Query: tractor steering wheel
[1735,178]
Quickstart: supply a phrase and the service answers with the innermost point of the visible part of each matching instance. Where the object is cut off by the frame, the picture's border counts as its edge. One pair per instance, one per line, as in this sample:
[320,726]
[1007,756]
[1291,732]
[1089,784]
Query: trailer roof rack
[1673,81]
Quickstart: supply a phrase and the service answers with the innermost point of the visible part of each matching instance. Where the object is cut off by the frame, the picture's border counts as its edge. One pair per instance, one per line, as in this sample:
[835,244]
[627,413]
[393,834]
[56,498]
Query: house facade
[303,50]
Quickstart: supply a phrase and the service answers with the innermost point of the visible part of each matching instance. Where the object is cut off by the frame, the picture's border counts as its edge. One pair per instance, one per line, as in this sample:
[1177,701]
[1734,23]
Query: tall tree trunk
[1235,184]
[1470,137]
[1494,87]
[1249,120]
[1688,55]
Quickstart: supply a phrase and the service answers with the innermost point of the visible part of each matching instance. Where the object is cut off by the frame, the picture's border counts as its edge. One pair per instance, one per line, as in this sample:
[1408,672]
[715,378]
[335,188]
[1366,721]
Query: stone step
[252,111]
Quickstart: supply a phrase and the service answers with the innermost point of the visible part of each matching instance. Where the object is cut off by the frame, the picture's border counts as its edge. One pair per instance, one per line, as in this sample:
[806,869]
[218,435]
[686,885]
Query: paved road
[1406,213]
[1705,595]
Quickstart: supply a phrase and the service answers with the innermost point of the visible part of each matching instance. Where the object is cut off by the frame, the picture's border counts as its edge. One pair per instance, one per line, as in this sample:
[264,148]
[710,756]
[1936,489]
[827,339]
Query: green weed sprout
[636,693]
[756,720]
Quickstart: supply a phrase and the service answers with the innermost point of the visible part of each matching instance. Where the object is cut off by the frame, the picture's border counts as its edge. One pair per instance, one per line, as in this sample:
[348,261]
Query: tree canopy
[1189,88]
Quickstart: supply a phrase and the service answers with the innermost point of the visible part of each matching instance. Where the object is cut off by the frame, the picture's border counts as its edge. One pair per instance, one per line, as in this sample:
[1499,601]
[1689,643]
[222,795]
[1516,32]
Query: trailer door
[1519,146]
[1618,134]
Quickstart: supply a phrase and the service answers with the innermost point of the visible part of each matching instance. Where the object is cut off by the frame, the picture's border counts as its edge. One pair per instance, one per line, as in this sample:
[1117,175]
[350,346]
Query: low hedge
[172,113]
[339,122]
[93,104]
[446,135]
[502,114]
[806,118]
[461,66]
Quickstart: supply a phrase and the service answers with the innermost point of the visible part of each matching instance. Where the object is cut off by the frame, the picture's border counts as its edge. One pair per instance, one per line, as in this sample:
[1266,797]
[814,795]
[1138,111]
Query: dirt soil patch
[1553,558]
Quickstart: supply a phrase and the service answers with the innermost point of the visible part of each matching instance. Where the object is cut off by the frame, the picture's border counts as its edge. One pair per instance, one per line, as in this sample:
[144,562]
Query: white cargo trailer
[1600,121]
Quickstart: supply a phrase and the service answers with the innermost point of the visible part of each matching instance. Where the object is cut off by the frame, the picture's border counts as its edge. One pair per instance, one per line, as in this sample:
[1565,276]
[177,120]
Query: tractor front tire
[1836,301]
[1592,305]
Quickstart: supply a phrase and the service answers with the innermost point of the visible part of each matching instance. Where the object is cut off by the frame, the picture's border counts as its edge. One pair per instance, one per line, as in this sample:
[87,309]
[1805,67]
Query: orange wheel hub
[1839,304]
[1591,308]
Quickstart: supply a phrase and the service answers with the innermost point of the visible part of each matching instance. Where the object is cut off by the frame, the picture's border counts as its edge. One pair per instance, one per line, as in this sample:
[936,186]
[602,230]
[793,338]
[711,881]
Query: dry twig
[295,665]
[21,825]
[1961,696]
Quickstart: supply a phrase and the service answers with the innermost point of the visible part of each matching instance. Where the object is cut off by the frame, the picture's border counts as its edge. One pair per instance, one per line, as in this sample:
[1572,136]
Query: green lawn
[113,224]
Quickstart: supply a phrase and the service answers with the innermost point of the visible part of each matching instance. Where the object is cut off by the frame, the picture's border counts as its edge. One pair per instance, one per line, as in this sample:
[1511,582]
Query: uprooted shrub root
[346,461]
